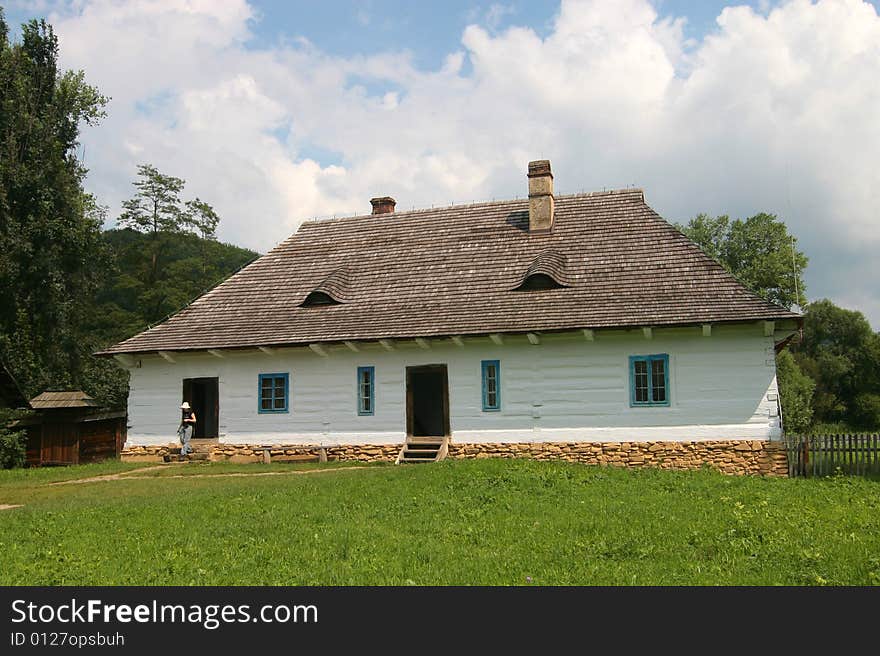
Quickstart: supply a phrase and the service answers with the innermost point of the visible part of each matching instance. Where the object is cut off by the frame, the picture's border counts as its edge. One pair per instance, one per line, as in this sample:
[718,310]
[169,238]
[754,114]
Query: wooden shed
[70,428]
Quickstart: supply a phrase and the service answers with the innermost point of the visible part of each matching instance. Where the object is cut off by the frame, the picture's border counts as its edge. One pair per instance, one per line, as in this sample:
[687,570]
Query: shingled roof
[455,271]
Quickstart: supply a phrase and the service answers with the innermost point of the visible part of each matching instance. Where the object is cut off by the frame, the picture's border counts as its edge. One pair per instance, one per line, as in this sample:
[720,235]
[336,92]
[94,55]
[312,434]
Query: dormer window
[317,298]
[332,290]
[539,281]
[546,271]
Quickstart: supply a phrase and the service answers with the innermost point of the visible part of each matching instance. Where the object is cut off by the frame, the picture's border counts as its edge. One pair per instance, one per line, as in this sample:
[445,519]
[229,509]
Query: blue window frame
[649,380]
[491,385]
[274,393]
[366,390]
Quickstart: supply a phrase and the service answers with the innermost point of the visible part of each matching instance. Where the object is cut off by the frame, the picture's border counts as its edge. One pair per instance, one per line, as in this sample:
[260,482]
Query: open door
[203,395]
[427,401]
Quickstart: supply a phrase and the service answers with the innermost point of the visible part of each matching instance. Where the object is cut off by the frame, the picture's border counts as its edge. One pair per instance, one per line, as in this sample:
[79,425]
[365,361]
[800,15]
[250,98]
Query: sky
[275,112]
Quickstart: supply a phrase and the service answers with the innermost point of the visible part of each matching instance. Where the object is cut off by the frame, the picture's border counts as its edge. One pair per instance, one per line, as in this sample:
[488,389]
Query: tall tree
[156,209]
[759,251]
[50,241]
[202,218]
[842,354]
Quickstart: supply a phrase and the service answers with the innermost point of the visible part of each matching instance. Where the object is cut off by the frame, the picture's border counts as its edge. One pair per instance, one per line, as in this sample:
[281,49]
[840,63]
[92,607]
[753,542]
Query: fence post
[805,454]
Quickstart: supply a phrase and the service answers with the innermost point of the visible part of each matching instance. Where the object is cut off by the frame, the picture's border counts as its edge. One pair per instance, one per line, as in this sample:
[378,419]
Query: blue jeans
[185,433]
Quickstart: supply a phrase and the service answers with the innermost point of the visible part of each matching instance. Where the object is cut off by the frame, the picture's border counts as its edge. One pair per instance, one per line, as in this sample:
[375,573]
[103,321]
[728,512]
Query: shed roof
[455,271]
[53,400]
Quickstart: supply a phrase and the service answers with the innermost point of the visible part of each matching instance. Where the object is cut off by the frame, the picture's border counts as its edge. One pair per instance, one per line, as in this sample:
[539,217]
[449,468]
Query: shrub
[866,411]
[13,443]
[13,446]
[795,393]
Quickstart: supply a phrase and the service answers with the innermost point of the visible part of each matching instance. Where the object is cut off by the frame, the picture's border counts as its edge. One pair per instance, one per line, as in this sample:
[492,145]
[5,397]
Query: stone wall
[276,453]
[730,457]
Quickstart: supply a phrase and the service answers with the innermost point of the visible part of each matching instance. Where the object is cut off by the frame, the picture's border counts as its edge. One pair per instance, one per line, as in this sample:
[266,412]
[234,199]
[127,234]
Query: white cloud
[772,111]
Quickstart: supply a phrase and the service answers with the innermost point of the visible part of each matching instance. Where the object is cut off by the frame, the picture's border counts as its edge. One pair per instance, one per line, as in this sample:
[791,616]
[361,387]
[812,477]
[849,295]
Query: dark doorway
[203,395]
[427,401]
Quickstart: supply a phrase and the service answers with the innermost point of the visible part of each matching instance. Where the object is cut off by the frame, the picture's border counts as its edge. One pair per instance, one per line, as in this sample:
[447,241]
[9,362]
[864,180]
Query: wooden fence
[823,455]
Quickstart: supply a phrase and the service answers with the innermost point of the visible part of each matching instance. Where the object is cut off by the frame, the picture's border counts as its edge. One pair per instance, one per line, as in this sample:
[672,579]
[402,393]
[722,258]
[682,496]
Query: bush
[866,411]
[796,394]
[13,448]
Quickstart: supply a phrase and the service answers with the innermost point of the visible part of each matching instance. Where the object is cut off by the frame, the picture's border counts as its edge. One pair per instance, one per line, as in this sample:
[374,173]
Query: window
[274,392]
[366,389]
[538,281]
[491,385]
[649,379]
[315,299]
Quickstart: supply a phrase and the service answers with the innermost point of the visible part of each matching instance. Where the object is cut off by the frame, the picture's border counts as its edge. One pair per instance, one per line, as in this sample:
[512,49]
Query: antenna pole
[797,294]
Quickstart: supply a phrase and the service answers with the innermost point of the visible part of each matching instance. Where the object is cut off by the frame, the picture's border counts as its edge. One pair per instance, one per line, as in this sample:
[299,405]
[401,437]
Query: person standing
[187,426]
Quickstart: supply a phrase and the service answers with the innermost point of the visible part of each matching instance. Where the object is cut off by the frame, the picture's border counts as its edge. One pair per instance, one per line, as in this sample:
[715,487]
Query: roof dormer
[333,290]
[548,270]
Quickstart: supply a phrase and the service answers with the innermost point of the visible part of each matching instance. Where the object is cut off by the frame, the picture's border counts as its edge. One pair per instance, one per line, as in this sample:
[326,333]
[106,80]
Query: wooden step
[423,450]
[418,455]
[191,457]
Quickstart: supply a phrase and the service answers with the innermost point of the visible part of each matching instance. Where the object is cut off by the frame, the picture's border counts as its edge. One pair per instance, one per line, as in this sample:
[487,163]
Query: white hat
[184,406]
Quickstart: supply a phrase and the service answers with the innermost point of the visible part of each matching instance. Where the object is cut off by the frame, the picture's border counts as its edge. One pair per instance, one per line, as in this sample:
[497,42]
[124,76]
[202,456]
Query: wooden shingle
[455,270]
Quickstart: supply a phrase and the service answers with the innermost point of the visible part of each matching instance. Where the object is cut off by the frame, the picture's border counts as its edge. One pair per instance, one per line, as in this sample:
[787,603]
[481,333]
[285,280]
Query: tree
[842,354]
[759,251]
[156,209]
[202,218]
[51,253]
[795,393]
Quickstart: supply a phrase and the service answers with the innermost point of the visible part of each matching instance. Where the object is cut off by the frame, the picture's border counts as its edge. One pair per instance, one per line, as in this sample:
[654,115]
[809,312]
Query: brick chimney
[383,205]
[541,204]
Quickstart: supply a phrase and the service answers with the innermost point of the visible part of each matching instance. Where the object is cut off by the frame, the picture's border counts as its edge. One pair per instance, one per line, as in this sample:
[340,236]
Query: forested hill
[131,296]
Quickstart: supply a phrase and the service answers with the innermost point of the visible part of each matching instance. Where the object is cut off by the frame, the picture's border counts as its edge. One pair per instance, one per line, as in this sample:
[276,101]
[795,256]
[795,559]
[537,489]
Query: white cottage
[581,326]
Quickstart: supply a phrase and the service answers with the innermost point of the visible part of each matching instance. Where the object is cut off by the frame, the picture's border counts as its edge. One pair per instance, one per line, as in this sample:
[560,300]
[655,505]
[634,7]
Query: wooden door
[60,444]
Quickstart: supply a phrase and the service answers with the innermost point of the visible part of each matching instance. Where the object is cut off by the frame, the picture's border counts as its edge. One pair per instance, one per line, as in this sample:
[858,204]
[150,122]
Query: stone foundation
[727,456]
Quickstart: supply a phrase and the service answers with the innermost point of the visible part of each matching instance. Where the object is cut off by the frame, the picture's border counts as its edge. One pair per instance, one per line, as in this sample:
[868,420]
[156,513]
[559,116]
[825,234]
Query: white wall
[564,389]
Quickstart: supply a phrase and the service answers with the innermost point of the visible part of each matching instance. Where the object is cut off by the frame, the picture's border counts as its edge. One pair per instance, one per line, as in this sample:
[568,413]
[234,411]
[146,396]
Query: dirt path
[129,474]
[110,477]
[9,506]
[272,473]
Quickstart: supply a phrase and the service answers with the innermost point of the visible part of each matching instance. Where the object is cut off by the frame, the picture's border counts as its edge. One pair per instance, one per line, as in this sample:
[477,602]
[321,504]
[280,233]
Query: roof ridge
[478,204]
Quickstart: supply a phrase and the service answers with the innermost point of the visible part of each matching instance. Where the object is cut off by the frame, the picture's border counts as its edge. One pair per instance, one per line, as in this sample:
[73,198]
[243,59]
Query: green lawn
[508,522]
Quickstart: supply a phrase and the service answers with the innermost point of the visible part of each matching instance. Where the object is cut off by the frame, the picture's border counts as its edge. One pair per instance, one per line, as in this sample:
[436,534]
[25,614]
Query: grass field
[465,522]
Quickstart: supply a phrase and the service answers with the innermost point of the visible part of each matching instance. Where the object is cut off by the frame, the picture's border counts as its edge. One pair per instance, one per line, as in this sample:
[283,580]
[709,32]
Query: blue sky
[275,111]
[430,30]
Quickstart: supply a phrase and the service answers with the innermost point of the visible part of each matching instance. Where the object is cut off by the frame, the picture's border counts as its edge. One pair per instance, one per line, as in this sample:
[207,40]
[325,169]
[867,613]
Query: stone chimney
[541,204]
[383,205]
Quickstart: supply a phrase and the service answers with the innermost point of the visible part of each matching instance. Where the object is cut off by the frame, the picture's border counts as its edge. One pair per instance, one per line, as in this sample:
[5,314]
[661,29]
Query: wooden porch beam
[423,343]
[457,340]
[216,353]
[267,350]
[317,348]
[167,356]
[589,335]
[533,338]
[769,328]
[648,332]
[387,344]
[352,346]
[707,330]
[496,338]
